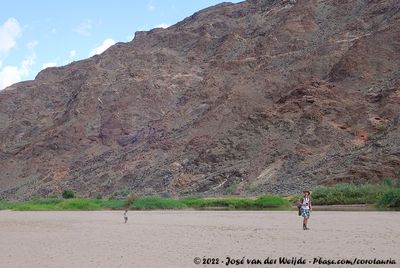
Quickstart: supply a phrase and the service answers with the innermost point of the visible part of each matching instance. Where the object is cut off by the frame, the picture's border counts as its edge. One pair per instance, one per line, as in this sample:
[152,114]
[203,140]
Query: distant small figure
[305,208]
[126,215]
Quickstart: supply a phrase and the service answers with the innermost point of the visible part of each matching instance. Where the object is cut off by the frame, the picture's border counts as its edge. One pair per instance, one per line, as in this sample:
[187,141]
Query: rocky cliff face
[256,97]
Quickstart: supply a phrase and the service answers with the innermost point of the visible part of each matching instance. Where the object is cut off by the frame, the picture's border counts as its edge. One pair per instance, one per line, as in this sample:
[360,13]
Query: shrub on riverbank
[67,194]
[383,194]
[346,193]
[390,199]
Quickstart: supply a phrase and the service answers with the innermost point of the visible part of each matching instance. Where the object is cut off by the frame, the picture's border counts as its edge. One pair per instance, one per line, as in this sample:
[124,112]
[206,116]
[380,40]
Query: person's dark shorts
[305,213]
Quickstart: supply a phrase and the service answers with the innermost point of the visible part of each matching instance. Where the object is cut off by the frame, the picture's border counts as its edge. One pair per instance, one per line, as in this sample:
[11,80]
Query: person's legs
[305,223]
[306,215]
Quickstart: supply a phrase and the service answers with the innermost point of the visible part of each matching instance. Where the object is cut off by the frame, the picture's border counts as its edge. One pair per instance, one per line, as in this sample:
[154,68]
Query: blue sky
[41,33]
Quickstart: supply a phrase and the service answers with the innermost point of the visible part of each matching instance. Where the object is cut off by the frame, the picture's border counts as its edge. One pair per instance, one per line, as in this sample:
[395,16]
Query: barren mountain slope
[255,97]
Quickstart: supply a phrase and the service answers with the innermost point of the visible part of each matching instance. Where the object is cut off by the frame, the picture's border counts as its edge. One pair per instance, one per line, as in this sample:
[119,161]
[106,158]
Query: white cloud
[72,54]
[54,31]
[100,49]
[8,76]
[9,32]
[13,74]
[162,25]
[84,28]
[49,64]
[26,65]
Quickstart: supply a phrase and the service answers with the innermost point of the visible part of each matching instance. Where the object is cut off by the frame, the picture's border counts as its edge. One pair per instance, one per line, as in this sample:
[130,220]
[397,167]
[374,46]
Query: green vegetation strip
[63,204]
[149,202]
[383,195]
[262,202]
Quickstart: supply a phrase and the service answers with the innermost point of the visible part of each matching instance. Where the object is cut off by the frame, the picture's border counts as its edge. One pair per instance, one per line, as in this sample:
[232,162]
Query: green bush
[5,205]
[388,182]
[111,203]
[346,193]
[155,202]
[269,201]
[390,199]
[217,202]
[67,194]
[78,204]
[46,201]
[37,205]
[194,202]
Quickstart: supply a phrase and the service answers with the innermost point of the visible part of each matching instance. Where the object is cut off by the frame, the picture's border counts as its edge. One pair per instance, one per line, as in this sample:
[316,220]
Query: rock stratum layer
[248,98]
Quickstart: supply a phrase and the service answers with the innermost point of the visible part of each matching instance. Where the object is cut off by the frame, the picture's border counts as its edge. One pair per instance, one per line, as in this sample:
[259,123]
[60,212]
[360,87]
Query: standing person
[306,208]
[126,215]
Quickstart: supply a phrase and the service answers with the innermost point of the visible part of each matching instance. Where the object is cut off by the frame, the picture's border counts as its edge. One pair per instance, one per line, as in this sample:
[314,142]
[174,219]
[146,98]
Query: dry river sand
[174,238]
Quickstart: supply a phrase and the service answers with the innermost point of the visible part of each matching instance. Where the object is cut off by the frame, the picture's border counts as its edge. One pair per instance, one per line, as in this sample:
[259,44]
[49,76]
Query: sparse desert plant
[35,196]
[120,193]
[230,190]
[165,195]
[382,128]
[129,200]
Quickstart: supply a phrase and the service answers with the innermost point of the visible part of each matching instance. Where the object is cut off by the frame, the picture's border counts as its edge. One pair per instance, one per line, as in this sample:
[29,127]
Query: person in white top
[126,216]
[306,208]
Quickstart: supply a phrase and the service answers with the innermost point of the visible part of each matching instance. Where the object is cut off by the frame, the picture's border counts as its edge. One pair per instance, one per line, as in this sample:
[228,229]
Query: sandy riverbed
[174,238]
